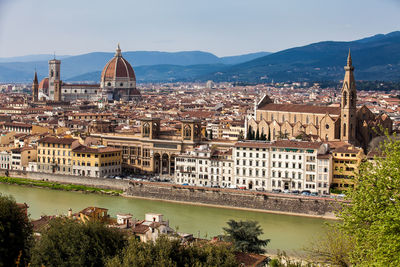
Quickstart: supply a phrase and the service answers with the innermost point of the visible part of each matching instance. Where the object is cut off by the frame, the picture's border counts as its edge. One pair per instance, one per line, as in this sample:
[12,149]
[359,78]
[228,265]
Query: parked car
[286,191]
[276,190]
[185,184]
[305,192]
[242,187]
[295,192]
[314,194]
[260,189]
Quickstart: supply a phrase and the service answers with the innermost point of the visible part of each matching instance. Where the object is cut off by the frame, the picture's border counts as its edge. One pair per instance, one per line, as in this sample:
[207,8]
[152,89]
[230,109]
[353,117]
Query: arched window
[307,120]
[316,121]
[352,98]
[344,129]
[344,99]
[146,130]
[187,132]
[295,119]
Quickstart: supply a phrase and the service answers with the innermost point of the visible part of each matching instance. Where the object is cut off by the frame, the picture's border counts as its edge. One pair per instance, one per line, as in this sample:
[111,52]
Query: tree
[15,233]
[258,135]
[269,134]
[71,243]
[372,220]
[245,236]
[206,133]
[332,249]
[170,252]
[248,137]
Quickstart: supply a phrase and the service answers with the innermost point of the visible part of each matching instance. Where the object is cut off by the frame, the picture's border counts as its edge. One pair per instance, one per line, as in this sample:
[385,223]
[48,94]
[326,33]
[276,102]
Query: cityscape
[248,160]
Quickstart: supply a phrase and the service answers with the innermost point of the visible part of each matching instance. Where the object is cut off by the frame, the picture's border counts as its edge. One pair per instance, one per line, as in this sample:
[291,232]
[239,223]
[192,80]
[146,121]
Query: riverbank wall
[229,198]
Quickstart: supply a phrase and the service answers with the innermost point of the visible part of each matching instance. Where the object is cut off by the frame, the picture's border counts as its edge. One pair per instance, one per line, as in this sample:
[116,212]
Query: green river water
[289,233]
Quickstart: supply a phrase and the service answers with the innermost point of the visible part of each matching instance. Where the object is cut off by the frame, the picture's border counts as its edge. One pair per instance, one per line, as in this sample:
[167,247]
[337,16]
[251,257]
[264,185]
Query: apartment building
[283,164]
[54,155]
[20,158]
[346,163]
[252,165]
[96,161]
[205,167]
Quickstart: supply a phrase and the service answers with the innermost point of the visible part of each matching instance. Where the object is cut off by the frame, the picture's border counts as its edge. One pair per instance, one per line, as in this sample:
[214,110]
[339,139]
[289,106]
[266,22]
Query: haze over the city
[221,27]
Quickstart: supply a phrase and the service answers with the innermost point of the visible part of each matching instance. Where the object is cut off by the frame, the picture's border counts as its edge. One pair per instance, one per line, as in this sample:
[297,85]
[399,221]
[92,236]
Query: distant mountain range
[375,58]
[83,67]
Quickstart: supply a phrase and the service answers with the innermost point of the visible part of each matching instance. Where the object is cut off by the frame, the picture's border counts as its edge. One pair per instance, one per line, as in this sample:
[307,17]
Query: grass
[57,186]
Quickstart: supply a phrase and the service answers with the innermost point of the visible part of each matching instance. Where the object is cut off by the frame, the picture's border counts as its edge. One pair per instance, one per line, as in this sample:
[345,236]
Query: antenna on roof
[54,54]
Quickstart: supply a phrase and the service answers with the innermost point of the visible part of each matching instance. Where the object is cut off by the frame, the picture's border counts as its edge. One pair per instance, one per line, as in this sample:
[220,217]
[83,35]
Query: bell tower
[35,89]
[54,80]
[348,104]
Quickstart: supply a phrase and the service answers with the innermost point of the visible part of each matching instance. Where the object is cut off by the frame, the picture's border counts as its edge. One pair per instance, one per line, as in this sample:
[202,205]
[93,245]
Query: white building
[280,165]
[204,167]
[5,159]
[252,165]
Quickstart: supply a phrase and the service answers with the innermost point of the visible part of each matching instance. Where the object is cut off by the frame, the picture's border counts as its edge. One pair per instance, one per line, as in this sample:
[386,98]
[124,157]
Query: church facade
[117,82]
[346,123]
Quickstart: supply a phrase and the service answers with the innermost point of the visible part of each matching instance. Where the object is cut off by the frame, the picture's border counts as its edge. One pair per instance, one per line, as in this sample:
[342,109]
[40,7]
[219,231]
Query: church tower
[35,89]
[348,105]
[54,80]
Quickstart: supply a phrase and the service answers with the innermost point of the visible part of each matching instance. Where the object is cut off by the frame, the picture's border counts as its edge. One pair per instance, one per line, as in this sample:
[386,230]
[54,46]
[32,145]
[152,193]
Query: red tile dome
[44,84]
[118,68]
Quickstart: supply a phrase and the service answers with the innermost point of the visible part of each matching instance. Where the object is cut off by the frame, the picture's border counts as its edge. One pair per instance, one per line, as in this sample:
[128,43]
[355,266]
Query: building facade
[96,161]
[324,123]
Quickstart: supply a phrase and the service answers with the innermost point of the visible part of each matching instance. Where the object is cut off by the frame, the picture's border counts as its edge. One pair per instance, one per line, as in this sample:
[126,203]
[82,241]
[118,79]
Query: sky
[222,27]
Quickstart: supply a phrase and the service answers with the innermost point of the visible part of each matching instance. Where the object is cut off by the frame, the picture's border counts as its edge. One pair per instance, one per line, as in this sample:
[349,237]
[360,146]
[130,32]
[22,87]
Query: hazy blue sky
[223,27]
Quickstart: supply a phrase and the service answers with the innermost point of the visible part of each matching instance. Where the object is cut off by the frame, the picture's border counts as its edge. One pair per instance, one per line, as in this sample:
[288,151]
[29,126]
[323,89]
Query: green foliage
[373,218]
[249,135]
[332,249]
[170,252]
[70,243]
[283,260]
[54,185]
[15,233]
[245,236]
[257,135]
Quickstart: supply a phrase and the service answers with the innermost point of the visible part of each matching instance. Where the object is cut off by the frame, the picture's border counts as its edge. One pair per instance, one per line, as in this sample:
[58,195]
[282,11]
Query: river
[289,233]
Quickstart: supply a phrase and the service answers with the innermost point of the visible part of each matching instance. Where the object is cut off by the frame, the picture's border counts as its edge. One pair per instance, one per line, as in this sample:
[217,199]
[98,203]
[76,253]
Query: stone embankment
[230,198]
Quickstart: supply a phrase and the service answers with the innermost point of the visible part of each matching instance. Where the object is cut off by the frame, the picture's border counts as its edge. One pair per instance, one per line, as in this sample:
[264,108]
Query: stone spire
[348,105]
[35,80]
[118,51]
[35,89]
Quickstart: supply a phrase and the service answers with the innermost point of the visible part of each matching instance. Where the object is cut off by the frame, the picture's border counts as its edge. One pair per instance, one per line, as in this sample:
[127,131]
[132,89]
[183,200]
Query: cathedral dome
[44,84]
[118,69]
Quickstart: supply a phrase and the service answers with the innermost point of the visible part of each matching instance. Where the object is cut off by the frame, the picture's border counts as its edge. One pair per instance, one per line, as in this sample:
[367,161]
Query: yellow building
[54,155]
[346,162]
[96,161]
[93,214]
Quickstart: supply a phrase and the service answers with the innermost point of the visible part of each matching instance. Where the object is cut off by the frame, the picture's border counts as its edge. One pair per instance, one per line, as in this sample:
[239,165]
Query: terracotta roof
[44,84]
[56,140]
[302,108]
[140,229]
[347,149]
[117,67]
[90,210]
[249,259]
[85,149]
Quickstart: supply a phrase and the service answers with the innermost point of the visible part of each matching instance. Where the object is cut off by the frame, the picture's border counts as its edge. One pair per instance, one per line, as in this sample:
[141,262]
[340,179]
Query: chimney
[70,213]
